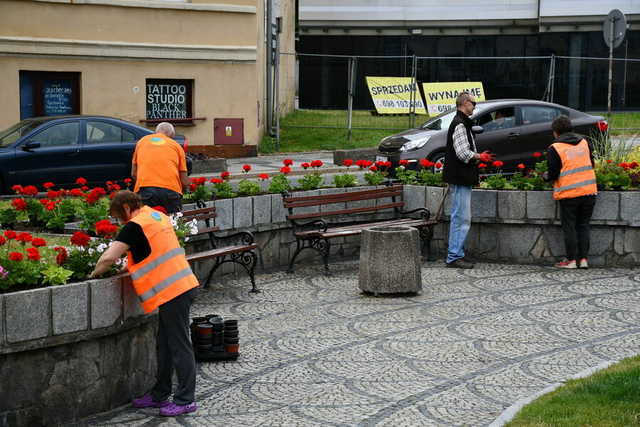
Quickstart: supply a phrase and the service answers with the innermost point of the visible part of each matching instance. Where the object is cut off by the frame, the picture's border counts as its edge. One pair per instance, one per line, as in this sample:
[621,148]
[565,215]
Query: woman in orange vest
[163,280]
[570,161]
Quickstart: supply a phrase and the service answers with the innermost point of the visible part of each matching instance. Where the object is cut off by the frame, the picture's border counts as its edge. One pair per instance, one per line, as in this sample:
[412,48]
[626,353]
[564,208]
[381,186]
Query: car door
[536,134]
[55,152]
[107,150]
[501,135]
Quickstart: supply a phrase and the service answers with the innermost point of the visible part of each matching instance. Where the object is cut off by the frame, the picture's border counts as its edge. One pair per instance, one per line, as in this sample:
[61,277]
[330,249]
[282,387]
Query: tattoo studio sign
[168,100]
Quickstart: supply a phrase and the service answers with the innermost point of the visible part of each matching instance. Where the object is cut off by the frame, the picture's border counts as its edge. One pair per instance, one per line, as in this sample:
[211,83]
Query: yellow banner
[441,97]
[393,95]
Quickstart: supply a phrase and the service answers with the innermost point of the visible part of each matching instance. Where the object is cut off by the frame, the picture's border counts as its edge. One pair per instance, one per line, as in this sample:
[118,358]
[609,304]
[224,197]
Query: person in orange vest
[159,167]
[570,161]
[163,280]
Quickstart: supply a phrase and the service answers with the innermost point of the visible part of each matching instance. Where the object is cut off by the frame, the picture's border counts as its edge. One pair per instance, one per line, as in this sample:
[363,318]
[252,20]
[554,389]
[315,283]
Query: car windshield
[15,132]
[444,120]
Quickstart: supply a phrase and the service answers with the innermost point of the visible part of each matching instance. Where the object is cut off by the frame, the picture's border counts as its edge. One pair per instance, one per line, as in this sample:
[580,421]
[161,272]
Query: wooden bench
[242,253]
[317,233]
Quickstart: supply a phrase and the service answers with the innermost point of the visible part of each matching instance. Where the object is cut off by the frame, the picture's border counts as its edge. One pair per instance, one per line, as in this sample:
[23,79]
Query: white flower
[102,247]
[178,214]
[174,223]
[90,251]
[186,239]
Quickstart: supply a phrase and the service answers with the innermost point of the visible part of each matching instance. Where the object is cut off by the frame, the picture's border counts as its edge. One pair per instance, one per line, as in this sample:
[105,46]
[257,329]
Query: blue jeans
[460,221]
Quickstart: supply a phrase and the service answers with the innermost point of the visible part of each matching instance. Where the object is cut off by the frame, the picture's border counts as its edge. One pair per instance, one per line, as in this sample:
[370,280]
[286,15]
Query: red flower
[363,164]
[33,254]
[76,192]
[116,187]
[24,237]
[127,181]
[287,162]
[2,241]
[192,187]
[80,239]
[160,209]
[316,163]
[404,162]
[15,256]
[81,181]
[373,168]
[38,242]
[521,166]
[61,258]
[537,154]
[438,165]
[216,181]
[285,170]
[305,165]
[347,162]
[482,165]
[29,190]
[633,165]
[225,175]
[51,194]
[84,188]
[19,204]
[48,185]
[246,168]
[380,163]
[609,161]
[50,206]
[105,228]
[426,163]
[10,234]
[17,189]
[263,176]
[498,164]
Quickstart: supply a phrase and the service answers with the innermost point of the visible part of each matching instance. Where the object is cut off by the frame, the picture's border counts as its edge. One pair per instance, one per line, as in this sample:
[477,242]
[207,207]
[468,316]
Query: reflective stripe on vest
[576,185]
[156,262]
[159,287]
[576,170]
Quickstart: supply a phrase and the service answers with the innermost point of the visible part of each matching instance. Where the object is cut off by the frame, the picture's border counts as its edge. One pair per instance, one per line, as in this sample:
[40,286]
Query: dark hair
[124,197]
[561,125]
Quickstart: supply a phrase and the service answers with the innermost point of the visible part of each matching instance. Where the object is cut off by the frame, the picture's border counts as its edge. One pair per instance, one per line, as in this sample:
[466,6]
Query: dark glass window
[45,93]
[169,99]
[102,132]
[58,135]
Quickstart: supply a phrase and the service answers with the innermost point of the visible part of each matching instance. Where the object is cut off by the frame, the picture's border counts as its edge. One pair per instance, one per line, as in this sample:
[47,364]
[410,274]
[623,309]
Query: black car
[62,148]
[512,129]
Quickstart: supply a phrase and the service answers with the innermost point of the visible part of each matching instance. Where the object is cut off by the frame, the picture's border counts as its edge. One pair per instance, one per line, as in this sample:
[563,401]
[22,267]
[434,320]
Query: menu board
[57,97]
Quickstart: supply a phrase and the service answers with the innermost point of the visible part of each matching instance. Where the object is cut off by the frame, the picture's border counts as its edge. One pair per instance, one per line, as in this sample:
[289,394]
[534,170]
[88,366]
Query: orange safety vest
[577,177]
[165,273]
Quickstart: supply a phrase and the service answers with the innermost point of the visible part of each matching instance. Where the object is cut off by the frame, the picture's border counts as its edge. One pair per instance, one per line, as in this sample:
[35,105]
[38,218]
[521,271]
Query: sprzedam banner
[395,95]
[441,97]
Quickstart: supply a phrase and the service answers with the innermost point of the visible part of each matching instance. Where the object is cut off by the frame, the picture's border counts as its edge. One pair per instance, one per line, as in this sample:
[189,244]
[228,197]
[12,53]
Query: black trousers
[157,196]
[575,215]
[174,349]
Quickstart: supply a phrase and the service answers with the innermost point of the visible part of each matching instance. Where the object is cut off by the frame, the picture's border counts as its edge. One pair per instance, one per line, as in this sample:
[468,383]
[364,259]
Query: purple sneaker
[173,410]
[147,401]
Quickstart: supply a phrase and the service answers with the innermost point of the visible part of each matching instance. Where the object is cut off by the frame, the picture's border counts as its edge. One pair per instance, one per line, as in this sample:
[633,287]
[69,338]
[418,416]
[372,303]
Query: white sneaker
[583,263]
[566,264]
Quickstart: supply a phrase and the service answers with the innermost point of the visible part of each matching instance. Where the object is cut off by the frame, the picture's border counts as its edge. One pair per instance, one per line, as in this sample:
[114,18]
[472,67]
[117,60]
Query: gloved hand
[486,157]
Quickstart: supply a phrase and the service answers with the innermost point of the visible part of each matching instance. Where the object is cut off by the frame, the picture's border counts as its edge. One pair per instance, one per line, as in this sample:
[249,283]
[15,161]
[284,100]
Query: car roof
[45,119]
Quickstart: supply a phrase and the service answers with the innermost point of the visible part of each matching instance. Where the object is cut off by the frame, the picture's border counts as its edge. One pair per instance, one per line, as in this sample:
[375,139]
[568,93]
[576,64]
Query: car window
[17,131]
[503,118]
[443,121]
[539,114]
[58,135]
[102,132]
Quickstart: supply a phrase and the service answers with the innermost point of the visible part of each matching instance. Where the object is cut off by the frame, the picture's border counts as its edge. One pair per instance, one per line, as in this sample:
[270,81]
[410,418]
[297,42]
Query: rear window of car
[532,114]
[99,132]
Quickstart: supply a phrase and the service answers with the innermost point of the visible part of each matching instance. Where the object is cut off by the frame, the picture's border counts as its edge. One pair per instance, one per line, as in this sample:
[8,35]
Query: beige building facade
[198,64]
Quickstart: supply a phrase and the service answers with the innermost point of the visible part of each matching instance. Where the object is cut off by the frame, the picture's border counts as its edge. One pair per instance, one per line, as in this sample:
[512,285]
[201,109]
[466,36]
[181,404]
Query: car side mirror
[477,129]
[30,145]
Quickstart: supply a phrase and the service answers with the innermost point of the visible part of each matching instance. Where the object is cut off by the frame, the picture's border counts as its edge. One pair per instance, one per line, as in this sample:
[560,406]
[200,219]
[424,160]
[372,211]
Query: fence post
[276,88]
[552,77]
[352,83]
[414,93]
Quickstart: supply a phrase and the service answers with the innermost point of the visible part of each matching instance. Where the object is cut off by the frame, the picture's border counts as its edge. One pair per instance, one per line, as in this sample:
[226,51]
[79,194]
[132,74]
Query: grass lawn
[608,398]
[331,132]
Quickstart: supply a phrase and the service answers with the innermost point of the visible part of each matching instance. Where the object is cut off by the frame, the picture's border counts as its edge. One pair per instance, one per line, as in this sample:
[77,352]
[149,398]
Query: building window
[44,93]
[169,100]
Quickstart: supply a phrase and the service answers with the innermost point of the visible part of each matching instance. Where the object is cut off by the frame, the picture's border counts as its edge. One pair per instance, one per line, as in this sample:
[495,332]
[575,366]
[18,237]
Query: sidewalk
[316,352]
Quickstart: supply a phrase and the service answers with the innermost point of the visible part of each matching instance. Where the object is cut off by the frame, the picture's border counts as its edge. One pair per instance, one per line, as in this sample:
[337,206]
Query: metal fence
[333,92]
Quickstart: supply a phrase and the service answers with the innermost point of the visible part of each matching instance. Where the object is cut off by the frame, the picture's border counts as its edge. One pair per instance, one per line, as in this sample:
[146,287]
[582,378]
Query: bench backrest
[392,192]
[203,214]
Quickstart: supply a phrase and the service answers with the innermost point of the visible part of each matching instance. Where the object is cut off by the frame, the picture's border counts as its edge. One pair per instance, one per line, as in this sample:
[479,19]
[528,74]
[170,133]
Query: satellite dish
[618,23]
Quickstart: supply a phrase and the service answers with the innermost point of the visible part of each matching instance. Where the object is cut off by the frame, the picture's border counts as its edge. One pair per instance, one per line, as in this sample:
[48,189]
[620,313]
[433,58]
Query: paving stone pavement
[316,352]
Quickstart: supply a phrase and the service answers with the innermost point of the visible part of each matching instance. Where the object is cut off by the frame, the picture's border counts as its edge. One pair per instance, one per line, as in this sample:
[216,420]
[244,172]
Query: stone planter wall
[70,351]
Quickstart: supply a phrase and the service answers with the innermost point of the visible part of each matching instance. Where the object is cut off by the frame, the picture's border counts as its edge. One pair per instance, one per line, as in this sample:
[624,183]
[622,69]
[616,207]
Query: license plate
[381,158]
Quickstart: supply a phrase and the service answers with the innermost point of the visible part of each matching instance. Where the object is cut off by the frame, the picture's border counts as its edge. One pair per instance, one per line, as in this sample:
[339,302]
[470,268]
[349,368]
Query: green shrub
[223,190]
[406,176]
[345,180]
[311,181]
[279,184]
[374,178]
[426,177]
[249,188]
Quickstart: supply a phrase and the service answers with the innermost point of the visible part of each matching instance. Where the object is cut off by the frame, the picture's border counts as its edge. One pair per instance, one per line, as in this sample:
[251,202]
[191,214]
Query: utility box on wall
[228,131]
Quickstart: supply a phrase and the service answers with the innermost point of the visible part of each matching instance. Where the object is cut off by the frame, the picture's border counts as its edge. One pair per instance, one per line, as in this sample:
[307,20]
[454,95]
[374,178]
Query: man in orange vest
[159,167]
[163,280]
[570,161]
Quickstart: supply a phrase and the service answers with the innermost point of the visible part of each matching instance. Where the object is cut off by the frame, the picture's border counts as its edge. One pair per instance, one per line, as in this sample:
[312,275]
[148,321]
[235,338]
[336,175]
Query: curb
[509,413]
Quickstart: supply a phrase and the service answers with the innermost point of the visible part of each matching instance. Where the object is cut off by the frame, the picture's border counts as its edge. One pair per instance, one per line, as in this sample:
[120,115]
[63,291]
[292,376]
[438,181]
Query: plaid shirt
[465,150]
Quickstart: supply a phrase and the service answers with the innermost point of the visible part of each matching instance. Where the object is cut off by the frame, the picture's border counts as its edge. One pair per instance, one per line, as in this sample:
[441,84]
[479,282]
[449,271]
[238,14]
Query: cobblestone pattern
[315,352]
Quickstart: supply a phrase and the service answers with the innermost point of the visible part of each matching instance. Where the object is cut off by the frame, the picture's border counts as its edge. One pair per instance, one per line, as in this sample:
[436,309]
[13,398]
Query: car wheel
[438,157]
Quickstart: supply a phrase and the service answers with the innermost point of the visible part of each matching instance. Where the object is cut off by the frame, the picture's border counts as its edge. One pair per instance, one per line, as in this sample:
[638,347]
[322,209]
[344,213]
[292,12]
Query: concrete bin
[390,260]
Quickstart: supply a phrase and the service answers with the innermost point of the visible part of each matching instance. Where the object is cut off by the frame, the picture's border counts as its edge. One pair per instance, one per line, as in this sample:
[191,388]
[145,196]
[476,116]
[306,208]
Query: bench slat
[199,211]
[201,217]
[212,253]
[207,230]
[345,211]
[354,229]
[343,199]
